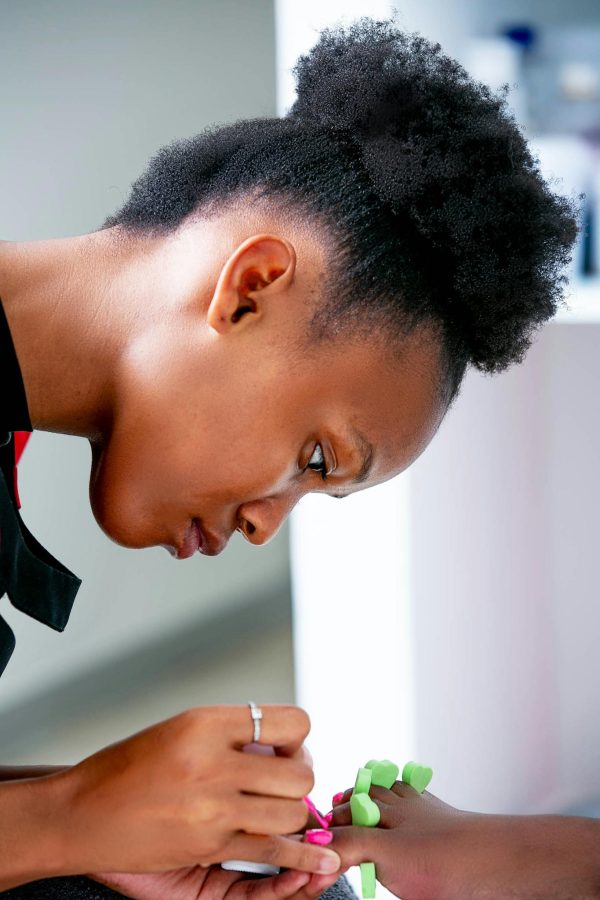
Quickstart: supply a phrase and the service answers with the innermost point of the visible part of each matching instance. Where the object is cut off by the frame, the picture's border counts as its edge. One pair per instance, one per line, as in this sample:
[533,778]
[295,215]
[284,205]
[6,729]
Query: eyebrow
[365,448]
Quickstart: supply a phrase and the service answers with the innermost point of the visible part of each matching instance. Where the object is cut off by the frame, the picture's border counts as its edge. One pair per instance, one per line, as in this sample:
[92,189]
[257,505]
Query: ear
[261,267]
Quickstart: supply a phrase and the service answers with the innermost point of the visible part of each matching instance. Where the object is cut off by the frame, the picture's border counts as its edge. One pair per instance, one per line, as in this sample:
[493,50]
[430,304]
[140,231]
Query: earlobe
[260,268]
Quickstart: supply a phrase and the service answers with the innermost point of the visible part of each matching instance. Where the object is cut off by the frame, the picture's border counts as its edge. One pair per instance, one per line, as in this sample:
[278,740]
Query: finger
[307,757]
[278,887]
[318,884]
[282,727]
[217,882]
[270,815]
[274,776]
[286,852]
[303,755]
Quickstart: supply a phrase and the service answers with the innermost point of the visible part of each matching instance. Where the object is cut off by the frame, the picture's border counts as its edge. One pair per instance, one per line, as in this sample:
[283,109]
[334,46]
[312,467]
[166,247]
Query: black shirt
[36,583]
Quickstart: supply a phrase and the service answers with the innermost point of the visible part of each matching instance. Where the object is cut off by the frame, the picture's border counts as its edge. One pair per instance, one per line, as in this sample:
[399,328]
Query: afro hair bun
[436,210]
[444,154]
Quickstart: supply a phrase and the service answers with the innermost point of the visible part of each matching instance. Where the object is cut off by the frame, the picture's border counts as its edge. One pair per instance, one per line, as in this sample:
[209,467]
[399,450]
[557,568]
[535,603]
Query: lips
[196,538]
[193,540]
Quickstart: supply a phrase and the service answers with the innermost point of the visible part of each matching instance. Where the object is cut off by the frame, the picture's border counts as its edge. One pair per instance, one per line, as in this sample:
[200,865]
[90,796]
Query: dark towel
[73,888]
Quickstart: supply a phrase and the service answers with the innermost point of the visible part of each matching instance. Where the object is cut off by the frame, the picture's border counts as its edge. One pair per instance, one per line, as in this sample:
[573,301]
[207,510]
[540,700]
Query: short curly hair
[437,210]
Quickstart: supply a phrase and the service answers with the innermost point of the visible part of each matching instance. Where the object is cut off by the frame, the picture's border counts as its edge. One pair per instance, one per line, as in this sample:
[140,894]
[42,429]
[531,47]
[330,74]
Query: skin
[179,356]
[176,795]
[184,360]
[424,848]
[217,884]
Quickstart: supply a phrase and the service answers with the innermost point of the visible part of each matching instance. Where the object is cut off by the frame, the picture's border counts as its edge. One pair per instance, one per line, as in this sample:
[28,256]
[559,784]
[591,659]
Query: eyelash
[320,467]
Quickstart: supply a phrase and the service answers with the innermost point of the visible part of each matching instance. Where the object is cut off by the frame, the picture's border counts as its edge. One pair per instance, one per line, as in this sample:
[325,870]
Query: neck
[72,308]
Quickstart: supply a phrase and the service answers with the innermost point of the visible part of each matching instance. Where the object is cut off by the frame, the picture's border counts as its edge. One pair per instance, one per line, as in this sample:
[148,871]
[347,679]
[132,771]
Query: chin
[115,526]
[117,513]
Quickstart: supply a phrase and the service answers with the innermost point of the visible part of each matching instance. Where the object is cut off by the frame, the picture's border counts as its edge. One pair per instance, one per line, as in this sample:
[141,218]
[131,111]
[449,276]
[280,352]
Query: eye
[317,462]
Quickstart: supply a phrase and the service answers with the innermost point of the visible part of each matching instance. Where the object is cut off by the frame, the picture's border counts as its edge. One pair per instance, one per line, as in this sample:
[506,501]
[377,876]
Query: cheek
[151,477]
[191,441]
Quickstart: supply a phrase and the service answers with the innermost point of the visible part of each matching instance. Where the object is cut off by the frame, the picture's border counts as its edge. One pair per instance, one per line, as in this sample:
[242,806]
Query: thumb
[286,852]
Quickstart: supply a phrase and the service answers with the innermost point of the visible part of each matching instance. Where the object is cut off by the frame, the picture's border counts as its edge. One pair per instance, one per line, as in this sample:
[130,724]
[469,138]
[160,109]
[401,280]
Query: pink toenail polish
[318,836]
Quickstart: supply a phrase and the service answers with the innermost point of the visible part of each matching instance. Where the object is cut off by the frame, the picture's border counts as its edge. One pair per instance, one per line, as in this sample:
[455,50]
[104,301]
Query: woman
[281,306]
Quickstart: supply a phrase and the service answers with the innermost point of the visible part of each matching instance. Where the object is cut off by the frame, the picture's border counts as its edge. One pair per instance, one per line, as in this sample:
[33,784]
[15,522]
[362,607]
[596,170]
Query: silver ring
[257,714]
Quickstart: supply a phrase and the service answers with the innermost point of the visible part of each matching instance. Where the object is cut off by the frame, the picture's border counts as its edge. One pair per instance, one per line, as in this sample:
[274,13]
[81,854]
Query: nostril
[246,527]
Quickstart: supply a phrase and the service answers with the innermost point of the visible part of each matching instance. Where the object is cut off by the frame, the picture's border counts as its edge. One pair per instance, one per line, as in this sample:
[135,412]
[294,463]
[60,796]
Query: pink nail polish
[313,809]
[327,818]
[318,836]
[337,798]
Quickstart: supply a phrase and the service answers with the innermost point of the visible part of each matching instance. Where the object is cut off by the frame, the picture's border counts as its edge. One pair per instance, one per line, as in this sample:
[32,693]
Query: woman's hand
[424,848]
[183,793]
[214,883]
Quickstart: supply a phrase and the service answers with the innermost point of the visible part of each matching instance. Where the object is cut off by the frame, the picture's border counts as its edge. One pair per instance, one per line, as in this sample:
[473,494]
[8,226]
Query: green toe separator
[364,811]
[368,880]
[384,773]
[363,781]
[416,775]
[407,772]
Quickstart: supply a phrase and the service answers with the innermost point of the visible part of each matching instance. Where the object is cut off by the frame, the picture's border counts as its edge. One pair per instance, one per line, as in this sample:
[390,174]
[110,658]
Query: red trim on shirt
[21,438]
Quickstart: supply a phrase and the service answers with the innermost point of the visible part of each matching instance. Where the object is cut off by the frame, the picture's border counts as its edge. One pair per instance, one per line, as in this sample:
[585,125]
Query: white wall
[505,589]
[88,91]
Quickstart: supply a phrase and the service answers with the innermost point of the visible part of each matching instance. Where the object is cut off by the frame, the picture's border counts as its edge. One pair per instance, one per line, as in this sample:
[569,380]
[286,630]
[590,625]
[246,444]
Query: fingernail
[328,818]
[318,836]
[330,862]
[337,798]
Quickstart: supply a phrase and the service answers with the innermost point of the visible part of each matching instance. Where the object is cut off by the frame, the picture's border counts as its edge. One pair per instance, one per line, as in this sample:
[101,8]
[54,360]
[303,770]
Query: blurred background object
[474,573]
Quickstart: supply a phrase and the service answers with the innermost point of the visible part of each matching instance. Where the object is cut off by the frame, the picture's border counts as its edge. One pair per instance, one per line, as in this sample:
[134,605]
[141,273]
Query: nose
[260,520]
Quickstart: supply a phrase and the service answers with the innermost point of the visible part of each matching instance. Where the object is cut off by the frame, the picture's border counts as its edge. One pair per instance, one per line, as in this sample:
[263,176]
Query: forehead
[387,400]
